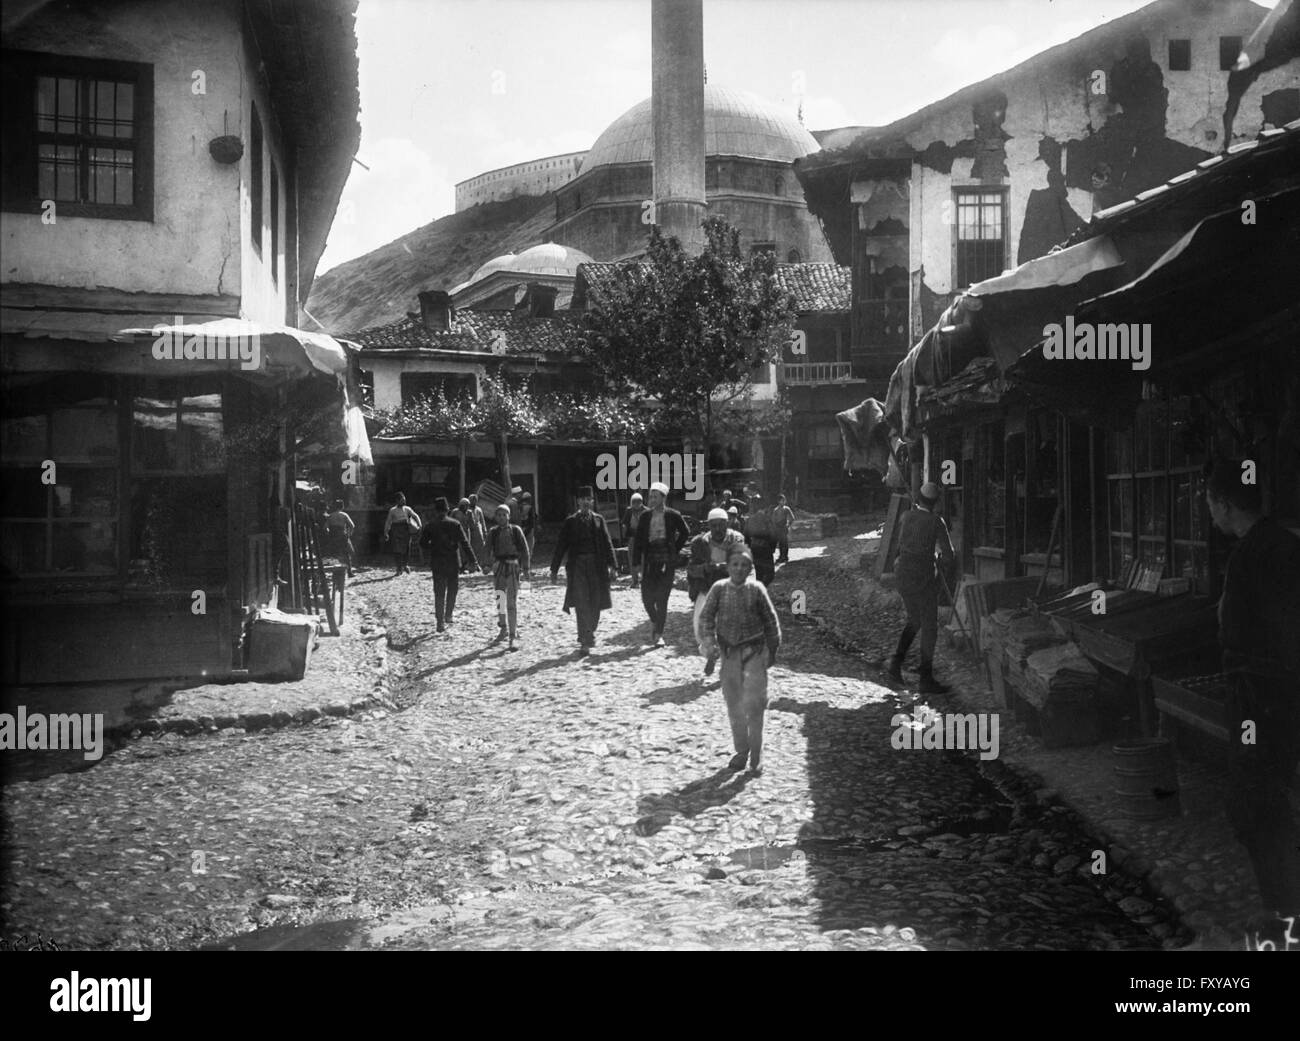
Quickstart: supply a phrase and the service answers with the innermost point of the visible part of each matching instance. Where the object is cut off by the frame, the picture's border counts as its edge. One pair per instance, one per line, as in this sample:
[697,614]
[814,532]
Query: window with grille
[78,134]
[981,235]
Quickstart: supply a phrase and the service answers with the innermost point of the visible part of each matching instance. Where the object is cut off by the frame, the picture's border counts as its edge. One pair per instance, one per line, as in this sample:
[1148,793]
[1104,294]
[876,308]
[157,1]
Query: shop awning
[1065,267]
[233,343]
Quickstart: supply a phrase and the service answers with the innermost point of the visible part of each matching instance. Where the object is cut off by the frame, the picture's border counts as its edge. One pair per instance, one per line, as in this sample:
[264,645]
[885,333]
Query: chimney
[677,110]
[541,300]
[436,311]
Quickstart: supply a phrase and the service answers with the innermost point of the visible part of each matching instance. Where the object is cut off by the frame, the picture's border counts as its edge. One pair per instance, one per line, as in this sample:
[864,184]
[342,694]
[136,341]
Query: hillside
[380,287]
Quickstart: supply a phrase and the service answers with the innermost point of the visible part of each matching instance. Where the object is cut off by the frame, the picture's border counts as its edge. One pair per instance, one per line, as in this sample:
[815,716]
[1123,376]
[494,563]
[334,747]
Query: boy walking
[739,621]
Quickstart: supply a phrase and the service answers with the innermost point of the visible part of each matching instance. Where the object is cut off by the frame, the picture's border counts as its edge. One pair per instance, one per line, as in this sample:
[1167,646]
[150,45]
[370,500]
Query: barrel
[1146,778]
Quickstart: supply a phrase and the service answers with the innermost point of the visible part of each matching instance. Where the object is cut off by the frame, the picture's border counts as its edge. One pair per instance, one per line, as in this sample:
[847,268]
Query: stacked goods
[1023,637]
[1062,684]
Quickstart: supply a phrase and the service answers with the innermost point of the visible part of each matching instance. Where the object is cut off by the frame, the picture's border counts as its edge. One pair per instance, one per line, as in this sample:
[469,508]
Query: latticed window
[981,235]
[78,134]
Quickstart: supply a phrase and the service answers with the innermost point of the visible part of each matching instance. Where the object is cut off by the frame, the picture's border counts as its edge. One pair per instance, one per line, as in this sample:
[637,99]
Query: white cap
[717,514]
[636,497]
[659,487]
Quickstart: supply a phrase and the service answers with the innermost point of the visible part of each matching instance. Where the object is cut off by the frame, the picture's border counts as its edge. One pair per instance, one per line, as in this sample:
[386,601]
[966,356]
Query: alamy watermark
[127,994]
[636,471]
[240,343]
[59,731]
[1085,342]
[934,730]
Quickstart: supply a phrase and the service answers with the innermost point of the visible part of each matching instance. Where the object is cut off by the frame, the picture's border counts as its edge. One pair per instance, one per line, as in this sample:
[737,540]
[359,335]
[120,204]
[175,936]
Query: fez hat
[717,514]
[660,487]
[440,504]
[515,490]
[733,509]
[585,492]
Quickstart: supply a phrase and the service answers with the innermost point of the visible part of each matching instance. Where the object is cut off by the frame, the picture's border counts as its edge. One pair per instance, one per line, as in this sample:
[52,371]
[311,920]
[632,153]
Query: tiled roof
[478,331]
[817,287]
[814,287]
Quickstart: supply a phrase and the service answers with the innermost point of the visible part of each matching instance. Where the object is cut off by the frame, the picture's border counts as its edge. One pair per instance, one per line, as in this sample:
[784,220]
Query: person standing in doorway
[509,550]
[587,553]
[449,551]
[630,520]
[708,565]
[400,527]
[739,623]
[1259,619]
[922,533]
[660,535]
[782,518]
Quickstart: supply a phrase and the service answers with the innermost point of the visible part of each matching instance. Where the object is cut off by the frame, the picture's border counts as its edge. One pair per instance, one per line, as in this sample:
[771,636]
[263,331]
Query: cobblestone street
[533,800]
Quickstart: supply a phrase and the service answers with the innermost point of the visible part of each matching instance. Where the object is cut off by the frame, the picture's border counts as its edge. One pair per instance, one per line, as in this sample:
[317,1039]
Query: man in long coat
[587,553]
[660,535]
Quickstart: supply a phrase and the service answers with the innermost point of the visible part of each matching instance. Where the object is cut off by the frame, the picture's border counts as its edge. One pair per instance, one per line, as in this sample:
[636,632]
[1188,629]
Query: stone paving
[532,800]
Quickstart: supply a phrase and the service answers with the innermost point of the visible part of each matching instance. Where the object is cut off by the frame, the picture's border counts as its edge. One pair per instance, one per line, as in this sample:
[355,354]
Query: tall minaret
[677,107]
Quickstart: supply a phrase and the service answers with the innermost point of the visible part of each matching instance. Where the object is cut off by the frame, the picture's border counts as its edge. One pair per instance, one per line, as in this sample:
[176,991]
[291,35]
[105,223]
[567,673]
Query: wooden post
[461,455]
[505,465]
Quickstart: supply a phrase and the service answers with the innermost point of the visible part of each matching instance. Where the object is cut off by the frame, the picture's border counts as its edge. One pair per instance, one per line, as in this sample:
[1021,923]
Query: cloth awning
[235,344]
[1065,267]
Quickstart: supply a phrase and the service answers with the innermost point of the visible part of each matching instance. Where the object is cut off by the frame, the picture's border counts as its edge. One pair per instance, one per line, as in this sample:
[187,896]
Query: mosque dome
[550,258]
[735,123]
[495,264]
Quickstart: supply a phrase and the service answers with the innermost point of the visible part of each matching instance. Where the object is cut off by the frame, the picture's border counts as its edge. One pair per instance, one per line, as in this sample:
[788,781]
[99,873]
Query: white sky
[565,69]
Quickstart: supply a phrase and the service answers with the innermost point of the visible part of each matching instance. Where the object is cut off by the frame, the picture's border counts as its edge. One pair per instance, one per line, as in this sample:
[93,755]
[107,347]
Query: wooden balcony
[807,373]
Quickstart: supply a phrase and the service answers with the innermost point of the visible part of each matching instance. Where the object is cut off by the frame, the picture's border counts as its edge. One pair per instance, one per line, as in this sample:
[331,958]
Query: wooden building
[162,227]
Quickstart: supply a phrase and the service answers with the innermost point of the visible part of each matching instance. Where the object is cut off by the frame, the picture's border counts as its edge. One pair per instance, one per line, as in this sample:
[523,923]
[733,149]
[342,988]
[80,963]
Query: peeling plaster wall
[191,244]
[1063,151]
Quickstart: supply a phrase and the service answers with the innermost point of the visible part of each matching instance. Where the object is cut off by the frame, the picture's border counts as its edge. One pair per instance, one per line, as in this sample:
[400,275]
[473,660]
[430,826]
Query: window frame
[20,175]
[51,520]
[1004,204]
[256,176]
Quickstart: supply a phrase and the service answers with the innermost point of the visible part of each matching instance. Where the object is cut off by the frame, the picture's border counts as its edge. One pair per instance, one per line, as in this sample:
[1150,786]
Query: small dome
[735,123]
[550,258]
[495,264]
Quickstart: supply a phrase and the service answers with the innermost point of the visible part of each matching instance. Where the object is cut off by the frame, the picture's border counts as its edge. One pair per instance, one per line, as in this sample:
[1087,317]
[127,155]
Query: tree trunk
[505,464]
[461,460]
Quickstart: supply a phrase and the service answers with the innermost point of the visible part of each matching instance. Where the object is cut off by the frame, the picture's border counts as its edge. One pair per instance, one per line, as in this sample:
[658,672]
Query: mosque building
[604,212]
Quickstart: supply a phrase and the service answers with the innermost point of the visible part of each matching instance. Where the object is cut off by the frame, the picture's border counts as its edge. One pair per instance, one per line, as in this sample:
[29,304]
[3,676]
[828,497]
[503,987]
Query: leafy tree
[689,331]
